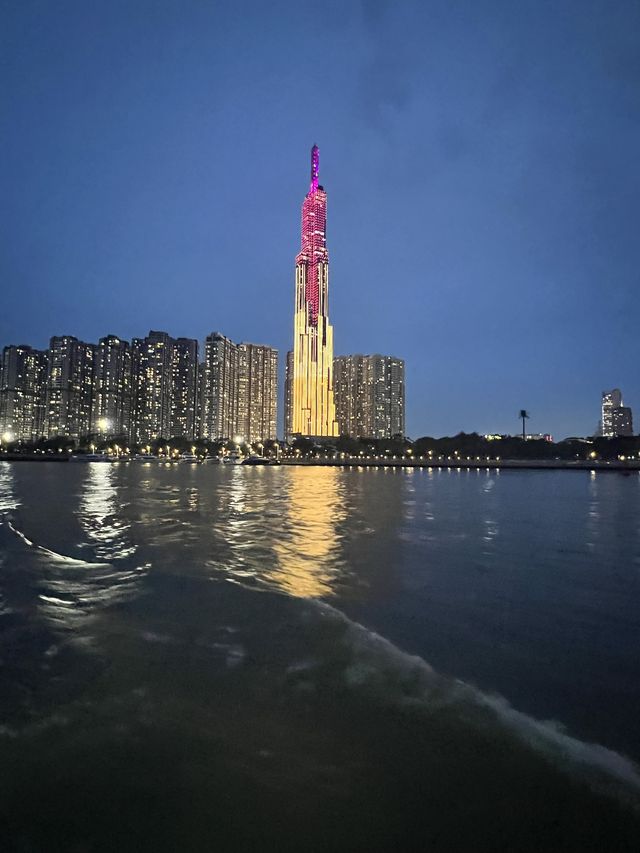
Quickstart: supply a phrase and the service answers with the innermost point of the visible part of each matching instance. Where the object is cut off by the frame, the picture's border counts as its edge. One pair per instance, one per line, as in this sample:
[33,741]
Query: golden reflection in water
[7,497]
[99,515]
[308,551]
[593,512]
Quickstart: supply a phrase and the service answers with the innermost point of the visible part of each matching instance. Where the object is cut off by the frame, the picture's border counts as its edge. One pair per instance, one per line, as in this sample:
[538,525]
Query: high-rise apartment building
[152,360]
[200,401]
[370,395]
[288,396]
[388,396]
[184,389]
[616,417]
[69,388]
[257,392]
[112,387]
[352,390]
[220,388]
[153,388]
[313,409]
[23,373]
[622,421]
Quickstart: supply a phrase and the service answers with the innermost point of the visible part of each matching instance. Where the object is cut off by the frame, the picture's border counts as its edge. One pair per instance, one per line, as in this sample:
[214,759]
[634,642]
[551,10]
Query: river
[200,658]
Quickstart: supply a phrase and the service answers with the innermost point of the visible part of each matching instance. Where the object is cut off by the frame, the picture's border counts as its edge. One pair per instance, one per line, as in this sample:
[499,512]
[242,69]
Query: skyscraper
[370,396]
[622,421]
[152,359]
[184,389]
[616,417]
[388,401]
[313,409]
[352,384]
[111,410]
[220,391]
[69,392]
[257,392]
[288,396]
[23,372]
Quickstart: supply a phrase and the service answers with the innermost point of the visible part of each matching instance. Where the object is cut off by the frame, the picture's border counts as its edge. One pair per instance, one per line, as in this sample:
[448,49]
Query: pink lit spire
[313,251]
[315,168]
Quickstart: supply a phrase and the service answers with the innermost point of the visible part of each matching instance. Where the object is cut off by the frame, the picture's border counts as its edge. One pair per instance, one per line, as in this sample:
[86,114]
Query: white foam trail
[61,558]
[596,764]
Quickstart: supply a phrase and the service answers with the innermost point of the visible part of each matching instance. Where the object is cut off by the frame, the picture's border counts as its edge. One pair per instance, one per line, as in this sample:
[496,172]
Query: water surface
[230,658]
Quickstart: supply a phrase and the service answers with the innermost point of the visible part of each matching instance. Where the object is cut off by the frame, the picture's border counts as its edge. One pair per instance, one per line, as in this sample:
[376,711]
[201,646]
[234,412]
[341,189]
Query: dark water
[231,658]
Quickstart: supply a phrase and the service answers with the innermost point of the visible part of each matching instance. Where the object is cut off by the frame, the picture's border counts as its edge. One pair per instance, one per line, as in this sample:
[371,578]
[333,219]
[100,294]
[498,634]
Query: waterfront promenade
[627,466]
[620,465]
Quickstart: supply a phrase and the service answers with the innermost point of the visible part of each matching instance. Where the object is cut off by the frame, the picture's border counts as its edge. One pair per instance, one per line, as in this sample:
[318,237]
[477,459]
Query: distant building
[616,417]
[288,396]
[184,389]
[220,392]
[152,362]
[23,373]
[69,388]
[353,386]
[257,392]
[370,395]
[200,400]
[533,436]
[622,421]
[312,406]
[388,396]
[111,408]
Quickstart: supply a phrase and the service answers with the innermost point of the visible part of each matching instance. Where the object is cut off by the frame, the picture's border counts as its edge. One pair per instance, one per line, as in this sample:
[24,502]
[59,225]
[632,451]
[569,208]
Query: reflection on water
[100,516]
[279,527]
[309,551]
[73,590]
[136,684]
[7,503]
[7,497]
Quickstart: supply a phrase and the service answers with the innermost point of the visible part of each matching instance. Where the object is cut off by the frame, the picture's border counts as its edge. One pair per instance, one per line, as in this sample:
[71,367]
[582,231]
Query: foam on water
[379,666]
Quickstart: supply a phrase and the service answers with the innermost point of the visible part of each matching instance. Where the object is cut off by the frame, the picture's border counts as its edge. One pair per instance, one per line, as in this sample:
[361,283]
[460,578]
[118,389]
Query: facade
[622,421]
[312,406]
[184,389]
[23,373]
[616,417]
[257,392]
[69,388]
[370,395]
[220,388]
[111,409]
[388,396]
[200,400]
[288,396]
[352,384]
[152,360]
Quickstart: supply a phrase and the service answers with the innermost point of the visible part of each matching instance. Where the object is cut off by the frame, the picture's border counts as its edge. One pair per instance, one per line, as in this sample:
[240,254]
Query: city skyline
[482,226]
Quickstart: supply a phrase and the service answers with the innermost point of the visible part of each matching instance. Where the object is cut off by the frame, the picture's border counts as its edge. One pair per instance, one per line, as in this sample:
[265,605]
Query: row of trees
[160,446]
[462,445]
[473,445]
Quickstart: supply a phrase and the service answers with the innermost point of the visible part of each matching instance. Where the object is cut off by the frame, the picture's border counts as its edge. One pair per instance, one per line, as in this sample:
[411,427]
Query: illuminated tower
[312,405]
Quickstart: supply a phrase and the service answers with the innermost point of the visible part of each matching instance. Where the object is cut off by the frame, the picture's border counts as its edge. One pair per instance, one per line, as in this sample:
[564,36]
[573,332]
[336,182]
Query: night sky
[481,161]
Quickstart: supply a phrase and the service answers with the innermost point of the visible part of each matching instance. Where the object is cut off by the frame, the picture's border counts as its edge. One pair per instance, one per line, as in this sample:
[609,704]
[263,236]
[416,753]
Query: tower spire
[313,410]
[315,168]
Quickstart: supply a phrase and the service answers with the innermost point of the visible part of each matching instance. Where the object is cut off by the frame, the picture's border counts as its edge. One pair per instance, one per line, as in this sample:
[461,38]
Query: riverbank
[486,465]
[625,466]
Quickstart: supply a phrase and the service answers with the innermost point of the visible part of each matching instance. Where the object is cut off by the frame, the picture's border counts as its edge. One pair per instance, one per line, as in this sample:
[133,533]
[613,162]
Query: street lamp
[6,438]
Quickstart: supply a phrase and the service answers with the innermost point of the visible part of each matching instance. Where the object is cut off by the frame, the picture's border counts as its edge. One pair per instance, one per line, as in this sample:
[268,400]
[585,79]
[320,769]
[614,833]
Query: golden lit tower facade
[312,406]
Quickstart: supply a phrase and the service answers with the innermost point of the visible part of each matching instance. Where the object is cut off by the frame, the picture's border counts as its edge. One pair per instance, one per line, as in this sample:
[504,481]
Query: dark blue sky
[481,161]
